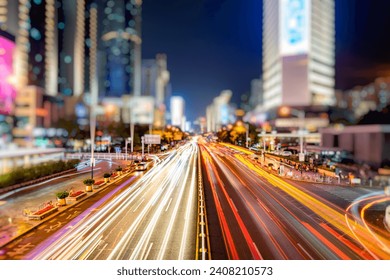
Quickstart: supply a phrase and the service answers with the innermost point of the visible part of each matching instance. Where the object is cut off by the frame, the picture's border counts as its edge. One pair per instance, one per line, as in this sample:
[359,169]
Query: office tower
[51,48]
[155,80]
[218,113]
[3,14]
[8,18]
[35,68]
[177,111]
[121,43]
[298,52]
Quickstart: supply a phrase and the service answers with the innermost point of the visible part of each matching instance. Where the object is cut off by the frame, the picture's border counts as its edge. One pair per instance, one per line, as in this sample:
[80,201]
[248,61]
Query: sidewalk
[290,172]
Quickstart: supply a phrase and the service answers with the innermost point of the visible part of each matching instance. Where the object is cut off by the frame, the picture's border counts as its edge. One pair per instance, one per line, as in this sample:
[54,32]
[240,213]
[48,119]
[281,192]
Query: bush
[119,168]
[106,175]
[89,182]
[25,174]
[62,195]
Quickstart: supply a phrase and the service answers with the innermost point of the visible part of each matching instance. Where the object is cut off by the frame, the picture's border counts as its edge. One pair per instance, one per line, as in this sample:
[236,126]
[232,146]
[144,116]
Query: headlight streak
[191,200]
[192,184]
[73,228]
[83,247]
[138,253]
[143,246]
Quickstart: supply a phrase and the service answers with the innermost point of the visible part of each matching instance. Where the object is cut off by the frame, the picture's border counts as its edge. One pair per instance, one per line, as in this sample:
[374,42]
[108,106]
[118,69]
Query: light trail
[277,235]
[338,219]
[137,224]
[381,238]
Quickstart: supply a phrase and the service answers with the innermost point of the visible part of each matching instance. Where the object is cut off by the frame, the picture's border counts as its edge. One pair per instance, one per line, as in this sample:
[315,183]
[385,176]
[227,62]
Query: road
[155,218]
[265,217]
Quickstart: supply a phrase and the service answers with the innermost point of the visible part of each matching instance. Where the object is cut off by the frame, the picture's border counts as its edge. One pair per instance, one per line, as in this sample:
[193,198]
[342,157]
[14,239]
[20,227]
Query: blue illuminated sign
[294,25]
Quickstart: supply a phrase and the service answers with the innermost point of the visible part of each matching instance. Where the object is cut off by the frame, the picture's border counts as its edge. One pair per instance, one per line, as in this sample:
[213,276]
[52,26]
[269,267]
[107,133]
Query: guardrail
[119,156]
[202,242]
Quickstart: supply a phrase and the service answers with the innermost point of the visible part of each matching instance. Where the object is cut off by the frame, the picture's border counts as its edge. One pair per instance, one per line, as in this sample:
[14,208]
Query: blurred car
[286,153]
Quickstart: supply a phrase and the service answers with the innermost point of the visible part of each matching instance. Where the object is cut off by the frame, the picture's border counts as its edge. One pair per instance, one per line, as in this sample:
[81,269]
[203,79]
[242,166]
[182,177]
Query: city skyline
[194,130]
[208,38]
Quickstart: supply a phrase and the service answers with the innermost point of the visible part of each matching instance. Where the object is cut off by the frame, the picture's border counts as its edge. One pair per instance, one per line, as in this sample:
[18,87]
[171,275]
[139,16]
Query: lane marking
[169,203]
[135,209]
[304,250]
[147,253]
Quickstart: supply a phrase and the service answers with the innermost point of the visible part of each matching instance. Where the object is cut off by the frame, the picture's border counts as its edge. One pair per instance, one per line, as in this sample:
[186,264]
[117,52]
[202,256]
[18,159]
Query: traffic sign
[152,139]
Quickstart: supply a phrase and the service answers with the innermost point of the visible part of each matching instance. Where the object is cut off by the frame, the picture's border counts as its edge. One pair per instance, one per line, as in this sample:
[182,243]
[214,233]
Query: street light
[246,134]
[284,111]
[126,142]
[93,80]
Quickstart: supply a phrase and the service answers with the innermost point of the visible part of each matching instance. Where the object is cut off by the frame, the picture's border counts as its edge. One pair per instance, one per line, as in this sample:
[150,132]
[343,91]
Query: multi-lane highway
[153,219]
[264,217]
[250,213]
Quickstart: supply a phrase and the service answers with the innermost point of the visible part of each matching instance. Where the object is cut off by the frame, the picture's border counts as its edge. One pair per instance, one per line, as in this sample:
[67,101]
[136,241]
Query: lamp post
[126,142]
[142,142]
[93,82]
[301,116]
[246,134]
[263,136]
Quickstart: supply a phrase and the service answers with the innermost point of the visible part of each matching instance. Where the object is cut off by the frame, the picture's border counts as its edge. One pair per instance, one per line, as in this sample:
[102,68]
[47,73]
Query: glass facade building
[121,33]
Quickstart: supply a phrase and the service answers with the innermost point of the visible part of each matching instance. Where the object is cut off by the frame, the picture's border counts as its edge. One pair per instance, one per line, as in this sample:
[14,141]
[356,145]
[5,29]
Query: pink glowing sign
[7,91]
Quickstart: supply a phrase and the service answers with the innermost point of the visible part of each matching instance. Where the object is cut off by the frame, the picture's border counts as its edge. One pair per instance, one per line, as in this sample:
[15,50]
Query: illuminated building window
[67,59]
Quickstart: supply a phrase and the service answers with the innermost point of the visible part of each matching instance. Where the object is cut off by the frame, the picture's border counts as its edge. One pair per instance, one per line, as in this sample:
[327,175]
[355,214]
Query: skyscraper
[155,81]
[298,53]
[121,42]
[177,110]
[35,67]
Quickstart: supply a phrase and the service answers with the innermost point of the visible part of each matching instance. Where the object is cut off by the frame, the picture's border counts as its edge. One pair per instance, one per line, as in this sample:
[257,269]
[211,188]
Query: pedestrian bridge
[101,156]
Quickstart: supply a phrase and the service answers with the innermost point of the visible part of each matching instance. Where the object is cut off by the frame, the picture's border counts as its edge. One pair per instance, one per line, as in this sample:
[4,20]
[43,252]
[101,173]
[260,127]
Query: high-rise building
[219,113]
[298,52]
[154,82]
[121,35]
[177,110]
[35,67]
[256,96]
[8,20]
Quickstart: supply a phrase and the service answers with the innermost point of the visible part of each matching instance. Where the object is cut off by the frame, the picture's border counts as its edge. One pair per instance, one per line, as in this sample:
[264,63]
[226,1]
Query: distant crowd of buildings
[54,53]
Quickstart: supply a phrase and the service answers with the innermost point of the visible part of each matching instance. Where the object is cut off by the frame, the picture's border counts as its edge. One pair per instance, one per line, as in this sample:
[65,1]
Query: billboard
[7,90]
[294,27]
[152,139]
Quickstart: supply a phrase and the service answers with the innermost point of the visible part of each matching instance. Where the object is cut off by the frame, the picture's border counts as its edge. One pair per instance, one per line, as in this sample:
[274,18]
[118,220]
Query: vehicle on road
[142,166]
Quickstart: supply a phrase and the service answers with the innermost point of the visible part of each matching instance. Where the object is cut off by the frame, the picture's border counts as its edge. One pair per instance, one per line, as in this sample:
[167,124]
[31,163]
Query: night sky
[212,45]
